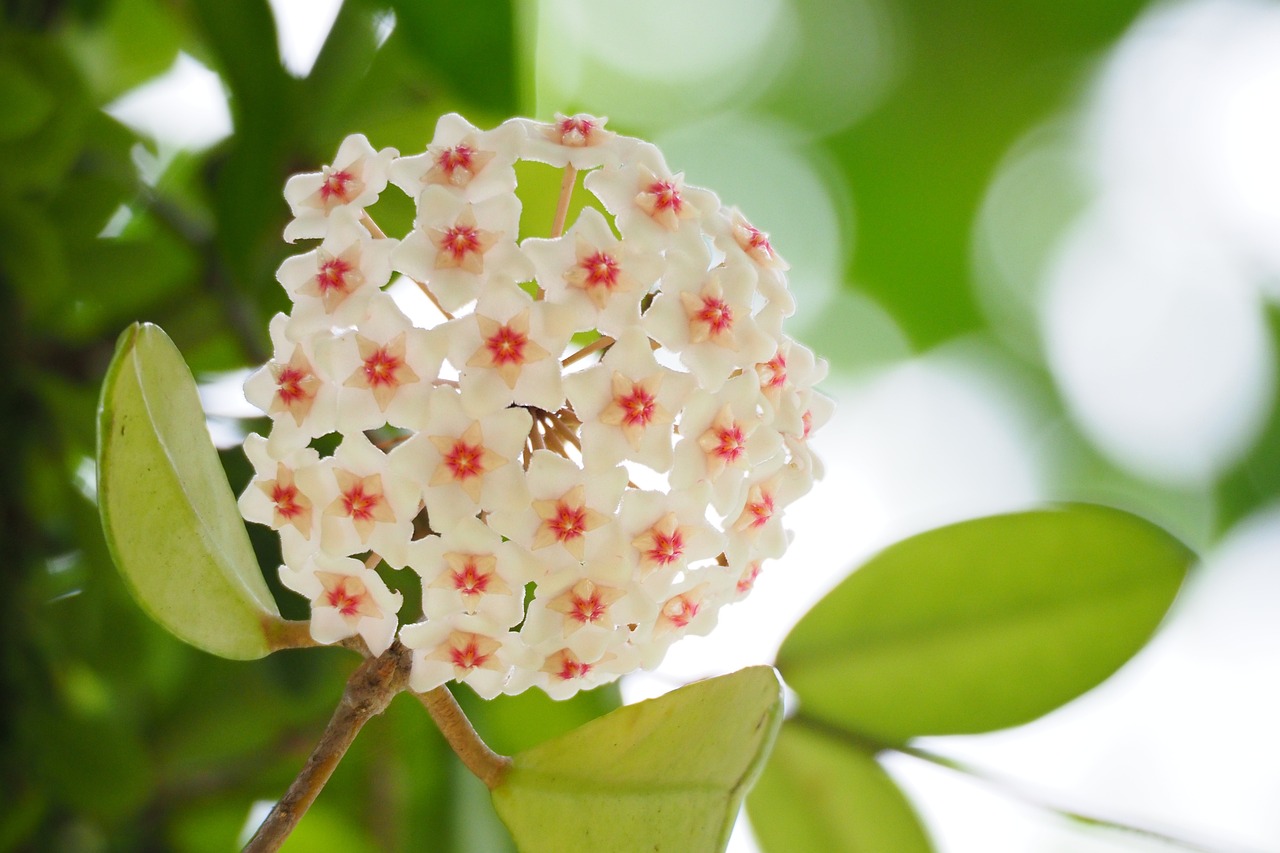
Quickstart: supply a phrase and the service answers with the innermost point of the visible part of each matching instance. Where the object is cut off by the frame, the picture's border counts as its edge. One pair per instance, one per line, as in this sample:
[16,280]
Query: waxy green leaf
[984,624]
[171,521]
[819,794]
[668,774]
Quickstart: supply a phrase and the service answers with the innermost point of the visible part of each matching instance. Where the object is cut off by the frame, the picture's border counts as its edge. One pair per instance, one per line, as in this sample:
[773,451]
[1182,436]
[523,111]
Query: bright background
[1038,243]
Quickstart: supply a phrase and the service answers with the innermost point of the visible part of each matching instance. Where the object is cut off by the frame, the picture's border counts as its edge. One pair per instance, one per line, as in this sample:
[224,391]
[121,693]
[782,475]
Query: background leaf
[666,774]
[171,520]
[983,624]
[818,795]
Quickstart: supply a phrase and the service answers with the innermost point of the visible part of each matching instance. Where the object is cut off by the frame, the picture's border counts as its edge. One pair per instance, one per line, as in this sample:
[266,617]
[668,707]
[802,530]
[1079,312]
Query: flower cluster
[584,451]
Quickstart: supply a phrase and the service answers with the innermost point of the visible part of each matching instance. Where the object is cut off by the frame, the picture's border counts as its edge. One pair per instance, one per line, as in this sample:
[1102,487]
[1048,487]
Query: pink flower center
[460,241]
[679,611]
[760,511]
[286,500]
[748,579]
[807,420]
[666,196]
[773,373]
[470,580]
[757,239]
[588,609]
[332,276]
[458,157]
[463,461]
[506,346]
[716,313]
[568,523]
[571,669]
[730,443]
[576,132]
[291,385]
[665,549]
[380,368]
[346,596]
[468,656]
[359,504]
[601,270]
[637,406]
[335,188]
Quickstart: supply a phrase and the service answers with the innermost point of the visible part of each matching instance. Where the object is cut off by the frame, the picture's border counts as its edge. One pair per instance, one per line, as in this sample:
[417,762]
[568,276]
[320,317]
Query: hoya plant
[523,449]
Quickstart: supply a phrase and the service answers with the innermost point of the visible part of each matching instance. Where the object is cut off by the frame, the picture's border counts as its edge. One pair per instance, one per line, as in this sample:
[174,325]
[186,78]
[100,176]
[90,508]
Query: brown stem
[562,206]
[296,634]
[369,690]
[488,766]
[598,344]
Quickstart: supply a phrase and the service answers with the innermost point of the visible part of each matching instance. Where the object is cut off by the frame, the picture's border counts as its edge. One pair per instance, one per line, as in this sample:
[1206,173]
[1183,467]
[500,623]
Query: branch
[369,690]
[488,766]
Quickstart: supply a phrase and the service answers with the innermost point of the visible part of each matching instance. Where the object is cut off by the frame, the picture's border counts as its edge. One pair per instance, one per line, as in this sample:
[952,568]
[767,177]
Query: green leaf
[666,774]
[819,794]
[984,624]
[474,56]
[171,521]
[24,102]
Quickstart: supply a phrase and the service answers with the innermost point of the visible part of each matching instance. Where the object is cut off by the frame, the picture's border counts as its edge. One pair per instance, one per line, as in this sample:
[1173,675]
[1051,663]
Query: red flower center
[464,460]
[470,580]
[468,656]
[506,346]
[286,500]
[460,240]
[291,385]
[380,368]
[360,504]
[336,189]
[666,196]
[601,269]
[637,407]
[333,276]
[458,157]
[730,443]
[568,523]
[716,313]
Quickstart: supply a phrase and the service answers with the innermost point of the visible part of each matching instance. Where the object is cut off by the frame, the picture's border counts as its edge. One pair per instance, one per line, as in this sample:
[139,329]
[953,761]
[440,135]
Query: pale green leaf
[171,521]
[818,794]
[668,774]
[984,624]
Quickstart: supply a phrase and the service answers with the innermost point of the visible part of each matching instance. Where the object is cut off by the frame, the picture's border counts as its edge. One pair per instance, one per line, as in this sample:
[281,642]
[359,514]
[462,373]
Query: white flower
[508,352]
[582,446]
[331,285]
[706,317]
[466,465]
[578,140]
[283,495]
[474,164]
[462,648]
[356,178]
[566,516]
[369,504]
[599,277]
[346,599]
[627,404]
[456,245]
[385,369]
[301,403]
[469,569]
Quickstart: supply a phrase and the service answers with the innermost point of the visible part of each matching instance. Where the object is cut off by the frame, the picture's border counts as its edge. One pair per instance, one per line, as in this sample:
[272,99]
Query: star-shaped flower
[351,183]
